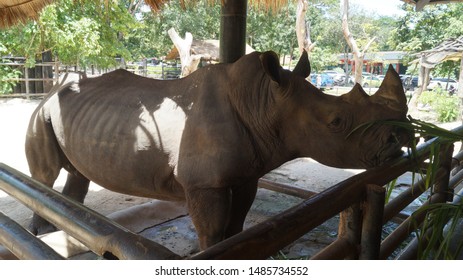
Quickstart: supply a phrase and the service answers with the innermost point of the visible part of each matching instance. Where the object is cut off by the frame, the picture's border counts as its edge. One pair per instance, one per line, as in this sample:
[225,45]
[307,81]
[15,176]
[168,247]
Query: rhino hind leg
[76,186]
[46,159]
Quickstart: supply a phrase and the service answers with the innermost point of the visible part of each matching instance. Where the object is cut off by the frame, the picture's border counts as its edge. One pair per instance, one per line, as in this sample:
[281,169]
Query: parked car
[443,83]
[409,82]
[338,78]
[371,81]
[325,80]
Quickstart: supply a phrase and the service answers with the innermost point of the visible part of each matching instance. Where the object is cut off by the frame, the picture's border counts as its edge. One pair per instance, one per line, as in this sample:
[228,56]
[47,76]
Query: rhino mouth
[391,148]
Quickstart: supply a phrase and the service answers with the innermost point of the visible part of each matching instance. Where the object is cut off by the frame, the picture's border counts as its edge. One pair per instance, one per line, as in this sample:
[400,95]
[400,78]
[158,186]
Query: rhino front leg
[210,211]
[242,199]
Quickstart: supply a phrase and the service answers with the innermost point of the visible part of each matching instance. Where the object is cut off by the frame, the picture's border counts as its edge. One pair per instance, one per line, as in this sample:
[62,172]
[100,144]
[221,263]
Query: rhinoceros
[207,138]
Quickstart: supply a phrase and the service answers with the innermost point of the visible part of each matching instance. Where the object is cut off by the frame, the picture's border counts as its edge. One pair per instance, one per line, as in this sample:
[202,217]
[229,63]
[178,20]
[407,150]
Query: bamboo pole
[337,250]
[285,189]
[410,224]
[406,197]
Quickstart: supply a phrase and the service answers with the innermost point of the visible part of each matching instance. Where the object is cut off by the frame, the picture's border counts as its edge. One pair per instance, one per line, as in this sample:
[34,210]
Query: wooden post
[26,77]
[445,163]
[372,225]
[145,67]
[350,227]
[232,30]
[56,78]
[47,71]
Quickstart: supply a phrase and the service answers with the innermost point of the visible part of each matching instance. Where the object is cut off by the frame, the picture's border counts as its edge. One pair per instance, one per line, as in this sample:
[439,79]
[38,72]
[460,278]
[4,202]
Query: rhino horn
[356,94]
[303,66]
[391,92]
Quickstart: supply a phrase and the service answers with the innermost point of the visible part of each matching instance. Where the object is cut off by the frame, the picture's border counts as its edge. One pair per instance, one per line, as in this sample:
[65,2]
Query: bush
[6,74]
[445,106]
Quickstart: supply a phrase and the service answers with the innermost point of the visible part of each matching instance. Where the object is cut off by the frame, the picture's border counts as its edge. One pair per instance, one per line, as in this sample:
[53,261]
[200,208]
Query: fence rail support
[22,243]
[373,209]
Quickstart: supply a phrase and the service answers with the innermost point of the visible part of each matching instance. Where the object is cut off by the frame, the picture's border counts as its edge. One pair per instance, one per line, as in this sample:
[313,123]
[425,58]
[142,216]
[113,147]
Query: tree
[302,28]
[419,31]
[357,53]
[77,32]
[199,18]
[189,62]
[267,30]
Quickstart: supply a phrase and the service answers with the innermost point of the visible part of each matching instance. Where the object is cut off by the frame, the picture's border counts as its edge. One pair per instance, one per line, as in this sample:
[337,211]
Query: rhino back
[122,131]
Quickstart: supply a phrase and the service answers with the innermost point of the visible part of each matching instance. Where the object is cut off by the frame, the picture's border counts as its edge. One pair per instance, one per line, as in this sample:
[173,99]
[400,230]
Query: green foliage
[418,31]
[447,68]
[272,31]
[77,32]
[201,19]
[320,58]
[96,32]
[446,107]
[7,73]
[436,243]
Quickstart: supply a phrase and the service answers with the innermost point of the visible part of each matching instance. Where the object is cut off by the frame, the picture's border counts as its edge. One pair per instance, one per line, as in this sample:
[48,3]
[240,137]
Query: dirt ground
[14,118]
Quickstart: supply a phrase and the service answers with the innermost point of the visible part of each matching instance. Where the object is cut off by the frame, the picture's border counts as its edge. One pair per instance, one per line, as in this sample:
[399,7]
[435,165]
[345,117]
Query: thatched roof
[421,3]
[208,49]
[450,49]
[16,11]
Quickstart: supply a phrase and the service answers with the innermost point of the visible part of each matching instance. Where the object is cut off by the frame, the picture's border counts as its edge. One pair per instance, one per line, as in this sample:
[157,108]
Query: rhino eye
[335,122]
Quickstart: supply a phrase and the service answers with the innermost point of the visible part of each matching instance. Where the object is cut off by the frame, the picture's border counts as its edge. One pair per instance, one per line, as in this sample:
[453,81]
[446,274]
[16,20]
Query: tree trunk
[423,81]
[189,62]
[302,28]
[356,52]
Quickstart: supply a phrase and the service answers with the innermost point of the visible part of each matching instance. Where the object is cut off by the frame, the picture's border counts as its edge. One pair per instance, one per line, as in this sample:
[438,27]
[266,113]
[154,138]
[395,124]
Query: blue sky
[380,7]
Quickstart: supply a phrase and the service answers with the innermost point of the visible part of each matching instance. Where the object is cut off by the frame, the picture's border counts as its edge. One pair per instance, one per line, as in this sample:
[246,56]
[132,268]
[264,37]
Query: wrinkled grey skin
[206,138]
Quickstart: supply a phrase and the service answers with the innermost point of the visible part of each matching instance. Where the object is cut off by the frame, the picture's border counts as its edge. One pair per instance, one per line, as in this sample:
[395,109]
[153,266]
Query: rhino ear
[303,66]
[391,91]
[271,65]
